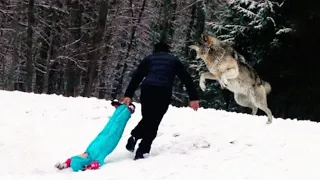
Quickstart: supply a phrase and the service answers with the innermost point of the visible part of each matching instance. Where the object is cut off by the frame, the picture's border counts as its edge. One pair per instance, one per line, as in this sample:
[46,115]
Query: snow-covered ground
[36,131]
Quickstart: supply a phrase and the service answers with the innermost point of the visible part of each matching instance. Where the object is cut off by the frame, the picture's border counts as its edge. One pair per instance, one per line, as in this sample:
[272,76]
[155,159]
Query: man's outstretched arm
[186,79]
[136,79]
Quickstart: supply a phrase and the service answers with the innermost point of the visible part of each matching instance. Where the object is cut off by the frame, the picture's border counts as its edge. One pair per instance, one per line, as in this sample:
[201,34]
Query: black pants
[154,104]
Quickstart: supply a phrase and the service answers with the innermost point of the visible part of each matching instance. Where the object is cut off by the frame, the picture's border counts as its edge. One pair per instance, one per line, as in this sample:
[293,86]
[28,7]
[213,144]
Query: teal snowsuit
[106,141]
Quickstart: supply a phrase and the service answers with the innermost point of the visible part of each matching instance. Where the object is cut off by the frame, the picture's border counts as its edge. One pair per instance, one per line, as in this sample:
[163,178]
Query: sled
[104,143]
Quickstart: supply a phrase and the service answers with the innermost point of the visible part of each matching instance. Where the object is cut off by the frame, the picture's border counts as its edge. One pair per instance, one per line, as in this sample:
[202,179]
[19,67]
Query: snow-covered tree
[251,27]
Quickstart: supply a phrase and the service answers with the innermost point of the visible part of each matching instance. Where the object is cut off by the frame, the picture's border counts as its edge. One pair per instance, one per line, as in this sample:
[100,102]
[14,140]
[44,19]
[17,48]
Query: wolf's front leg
[203,77]
[229,74]
[223,82]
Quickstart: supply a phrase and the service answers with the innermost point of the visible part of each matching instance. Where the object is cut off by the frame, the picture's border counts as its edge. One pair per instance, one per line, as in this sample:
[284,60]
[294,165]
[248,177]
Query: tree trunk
[29,63]
[94,55]
[168,19]
[50,50]
[72,71]
[54,80]
[42,61]
[15,51]
[131,42]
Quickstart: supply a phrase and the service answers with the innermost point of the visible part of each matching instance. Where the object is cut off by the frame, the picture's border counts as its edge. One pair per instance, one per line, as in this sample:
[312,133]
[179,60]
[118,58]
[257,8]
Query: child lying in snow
[104,143]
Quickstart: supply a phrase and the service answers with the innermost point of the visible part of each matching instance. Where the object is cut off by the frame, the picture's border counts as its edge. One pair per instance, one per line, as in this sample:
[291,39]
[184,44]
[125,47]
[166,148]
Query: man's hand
[126,100]
[194,105]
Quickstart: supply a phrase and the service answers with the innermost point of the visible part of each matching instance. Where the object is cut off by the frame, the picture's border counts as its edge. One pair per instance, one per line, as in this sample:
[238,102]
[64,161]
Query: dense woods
[90,48]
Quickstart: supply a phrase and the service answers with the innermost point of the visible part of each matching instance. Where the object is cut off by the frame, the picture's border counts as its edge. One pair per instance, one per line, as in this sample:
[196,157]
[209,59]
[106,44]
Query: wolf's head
[205,47]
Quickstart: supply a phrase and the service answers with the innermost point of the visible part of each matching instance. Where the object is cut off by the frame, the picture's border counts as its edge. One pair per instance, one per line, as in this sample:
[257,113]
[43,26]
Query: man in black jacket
[157,71]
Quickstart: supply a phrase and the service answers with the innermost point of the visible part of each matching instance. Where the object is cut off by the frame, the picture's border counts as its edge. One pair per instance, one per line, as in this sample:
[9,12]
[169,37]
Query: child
[104,143]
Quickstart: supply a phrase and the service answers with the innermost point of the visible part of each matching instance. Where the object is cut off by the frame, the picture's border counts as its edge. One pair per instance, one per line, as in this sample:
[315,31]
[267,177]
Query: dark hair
[161,46]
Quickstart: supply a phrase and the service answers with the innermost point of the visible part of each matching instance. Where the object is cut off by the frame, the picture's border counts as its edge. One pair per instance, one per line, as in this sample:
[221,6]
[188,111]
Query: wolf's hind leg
[254,110]
[245,101]
[259,98]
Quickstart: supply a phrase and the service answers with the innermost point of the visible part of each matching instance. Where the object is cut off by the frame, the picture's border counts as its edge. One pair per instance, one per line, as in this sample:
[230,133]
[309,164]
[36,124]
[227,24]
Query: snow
[36,131]
[284,30]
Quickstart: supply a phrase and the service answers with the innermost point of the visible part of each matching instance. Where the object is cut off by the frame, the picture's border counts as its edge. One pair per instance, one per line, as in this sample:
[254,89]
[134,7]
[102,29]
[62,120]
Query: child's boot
[93,166]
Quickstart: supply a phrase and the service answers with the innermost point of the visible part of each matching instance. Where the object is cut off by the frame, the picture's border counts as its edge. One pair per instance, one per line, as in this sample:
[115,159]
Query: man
[158,71]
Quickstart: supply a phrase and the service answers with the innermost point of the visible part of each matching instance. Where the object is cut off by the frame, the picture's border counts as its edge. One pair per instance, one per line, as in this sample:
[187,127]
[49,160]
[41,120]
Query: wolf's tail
[267,86]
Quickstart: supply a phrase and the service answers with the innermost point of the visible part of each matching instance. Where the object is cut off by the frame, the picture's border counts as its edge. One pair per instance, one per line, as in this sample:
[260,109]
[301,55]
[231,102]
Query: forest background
[90,48]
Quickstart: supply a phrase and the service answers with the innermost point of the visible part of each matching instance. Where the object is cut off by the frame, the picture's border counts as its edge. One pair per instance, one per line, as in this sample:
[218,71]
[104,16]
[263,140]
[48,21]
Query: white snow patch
[36,131]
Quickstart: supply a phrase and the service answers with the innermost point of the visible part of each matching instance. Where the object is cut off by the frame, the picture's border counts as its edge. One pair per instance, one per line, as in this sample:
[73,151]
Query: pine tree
[251,27]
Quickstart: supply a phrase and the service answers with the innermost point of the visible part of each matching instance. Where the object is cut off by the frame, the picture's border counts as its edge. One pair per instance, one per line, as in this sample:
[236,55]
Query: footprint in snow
[176,134]
[236,142]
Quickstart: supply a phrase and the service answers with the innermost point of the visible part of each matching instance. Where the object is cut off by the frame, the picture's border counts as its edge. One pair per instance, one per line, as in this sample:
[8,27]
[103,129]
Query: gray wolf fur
[227,66]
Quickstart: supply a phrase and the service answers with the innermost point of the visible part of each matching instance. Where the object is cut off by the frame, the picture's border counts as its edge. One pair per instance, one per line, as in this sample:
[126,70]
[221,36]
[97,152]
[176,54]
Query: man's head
[161,47]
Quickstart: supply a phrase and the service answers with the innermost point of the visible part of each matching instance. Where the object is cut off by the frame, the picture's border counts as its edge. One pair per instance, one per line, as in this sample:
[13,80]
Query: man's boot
[131,144]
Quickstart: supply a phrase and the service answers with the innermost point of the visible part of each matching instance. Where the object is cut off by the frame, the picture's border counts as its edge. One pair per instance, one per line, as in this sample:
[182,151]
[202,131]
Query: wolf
[231,70]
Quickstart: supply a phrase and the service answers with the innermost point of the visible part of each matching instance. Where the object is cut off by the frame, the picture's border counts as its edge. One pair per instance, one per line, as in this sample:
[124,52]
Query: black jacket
[159,69]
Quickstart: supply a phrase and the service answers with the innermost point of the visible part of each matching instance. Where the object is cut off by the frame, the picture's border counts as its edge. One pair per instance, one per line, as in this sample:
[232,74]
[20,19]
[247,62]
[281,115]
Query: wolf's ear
[196,48]
[208,39]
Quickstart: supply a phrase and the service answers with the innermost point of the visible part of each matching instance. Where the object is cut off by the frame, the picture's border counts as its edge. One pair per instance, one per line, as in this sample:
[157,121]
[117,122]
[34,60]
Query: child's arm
[115,103]
[64,165]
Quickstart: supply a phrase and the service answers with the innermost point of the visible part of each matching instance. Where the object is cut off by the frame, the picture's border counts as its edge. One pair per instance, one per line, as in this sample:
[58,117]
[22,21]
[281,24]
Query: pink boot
[93,166]
[64,165]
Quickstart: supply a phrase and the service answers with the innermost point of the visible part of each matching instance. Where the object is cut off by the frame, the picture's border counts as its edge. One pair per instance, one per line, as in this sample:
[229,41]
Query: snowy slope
[36,131]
